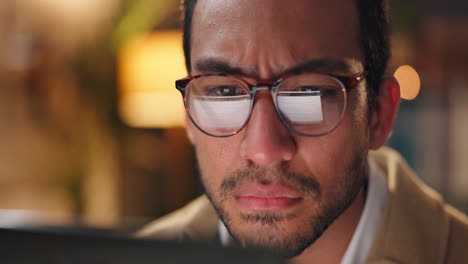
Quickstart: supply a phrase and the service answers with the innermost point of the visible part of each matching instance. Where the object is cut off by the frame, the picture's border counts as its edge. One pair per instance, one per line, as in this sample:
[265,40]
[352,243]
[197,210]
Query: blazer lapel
[204,224]
[414,227]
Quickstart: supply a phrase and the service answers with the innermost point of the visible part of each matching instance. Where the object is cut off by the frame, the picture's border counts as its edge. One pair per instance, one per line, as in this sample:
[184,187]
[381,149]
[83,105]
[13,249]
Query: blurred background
[91,127]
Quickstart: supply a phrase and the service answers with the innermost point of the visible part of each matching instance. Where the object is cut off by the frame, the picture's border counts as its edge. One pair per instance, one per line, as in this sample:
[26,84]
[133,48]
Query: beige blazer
[417,226]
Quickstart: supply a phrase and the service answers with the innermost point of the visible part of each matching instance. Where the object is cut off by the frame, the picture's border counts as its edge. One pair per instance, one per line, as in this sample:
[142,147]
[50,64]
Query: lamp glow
[149,66]
[410,83]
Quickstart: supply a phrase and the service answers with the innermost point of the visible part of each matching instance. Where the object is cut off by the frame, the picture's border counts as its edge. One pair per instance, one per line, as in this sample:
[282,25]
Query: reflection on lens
[217,113]
[302,109]
[311,104]
[218,105]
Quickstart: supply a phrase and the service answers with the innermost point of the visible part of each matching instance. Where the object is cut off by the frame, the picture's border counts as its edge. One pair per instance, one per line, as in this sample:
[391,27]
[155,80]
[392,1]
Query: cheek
[330,157]
[216,157]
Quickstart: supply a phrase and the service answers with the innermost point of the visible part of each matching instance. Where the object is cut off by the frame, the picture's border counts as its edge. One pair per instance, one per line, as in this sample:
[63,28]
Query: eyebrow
[320,65]
[323,65]
[218,66]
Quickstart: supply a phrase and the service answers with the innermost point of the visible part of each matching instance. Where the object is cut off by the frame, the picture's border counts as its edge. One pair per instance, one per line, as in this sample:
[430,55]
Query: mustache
[306,183]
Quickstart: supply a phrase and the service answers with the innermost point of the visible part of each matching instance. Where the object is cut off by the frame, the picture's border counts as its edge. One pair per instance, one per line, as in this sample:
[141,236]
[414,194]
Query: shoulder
[418,226]
[197,221]
[457,246]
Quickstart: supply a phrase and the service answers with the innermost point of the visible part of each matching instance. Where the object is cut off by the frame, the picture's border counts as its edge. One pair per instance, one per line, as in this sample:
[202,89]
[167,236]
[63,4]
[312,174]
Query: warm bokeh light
[149,66]
[410,83]
[152,109]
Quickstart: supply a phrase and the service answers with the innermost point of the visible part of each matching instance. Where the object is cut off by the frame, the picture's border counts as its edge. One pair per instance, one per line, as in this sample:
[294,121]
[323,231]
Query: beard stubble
[324,212]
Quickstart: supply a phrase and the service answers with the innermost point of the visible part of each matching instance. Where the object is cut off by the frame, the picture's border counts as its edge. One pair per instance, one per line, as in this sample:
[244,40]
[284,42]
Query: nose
[266,141]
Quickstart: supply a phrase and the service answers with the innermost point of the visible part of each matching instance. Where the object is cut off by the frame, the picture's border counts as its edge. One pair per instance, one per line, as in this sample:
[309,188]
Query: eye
[306,89]
[324,91]
[225,90]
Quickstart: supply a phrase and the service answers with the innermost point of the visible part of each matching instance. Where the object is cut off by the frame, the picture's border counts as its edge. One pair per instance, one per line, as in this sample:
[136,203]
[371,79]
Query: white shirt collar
[363,237]
[376,199]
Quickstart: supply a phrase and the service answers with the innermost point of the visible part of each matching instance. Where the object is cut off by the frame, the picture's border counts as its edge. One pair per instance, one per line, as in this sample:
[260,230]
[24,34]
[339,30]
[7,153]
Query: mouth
[256,197]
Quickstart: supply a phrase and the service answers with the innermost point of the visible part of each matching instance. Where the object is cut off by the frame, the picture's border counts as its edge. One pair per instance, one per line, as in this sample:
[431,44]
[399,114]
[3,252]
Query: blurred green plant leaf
[141,16]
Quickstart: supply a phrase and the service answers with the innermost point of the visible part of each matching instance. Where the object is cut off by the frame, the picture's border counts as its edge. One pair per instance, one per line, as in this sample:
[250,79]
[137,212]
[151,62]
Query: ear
[384,112]
[189,129]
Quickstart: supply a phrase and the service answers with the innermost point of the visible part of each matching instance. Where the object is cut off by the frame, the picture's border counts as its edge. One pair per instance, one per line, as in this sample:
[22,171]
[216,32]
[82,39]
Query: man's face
[273,188]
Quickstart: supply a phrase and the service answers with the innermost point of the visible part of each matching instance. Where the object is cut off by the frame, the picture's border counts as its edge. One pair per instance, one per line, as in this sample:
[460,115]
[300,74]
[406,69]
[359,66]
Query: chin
[284,234]
[286,228]
[277,239]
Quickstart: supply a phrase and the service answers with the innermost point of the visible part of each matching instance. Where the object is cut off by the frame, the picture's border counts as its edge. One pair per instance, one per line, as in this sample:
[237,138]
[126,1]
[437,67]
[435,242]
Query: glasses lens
[311,104]
[218,105]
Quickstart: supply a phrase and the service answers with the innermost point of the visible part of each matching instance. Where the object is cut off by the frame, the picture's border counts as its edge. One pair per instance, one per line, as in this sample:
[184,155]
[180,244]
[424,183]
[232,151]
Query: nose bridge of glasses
[266,89]
[264,86]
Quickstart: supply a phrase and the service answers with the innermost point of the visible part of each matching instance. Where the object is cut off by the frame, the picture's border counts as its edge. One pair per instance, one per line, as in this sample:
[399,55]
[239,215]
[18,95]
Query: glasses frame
[348,83]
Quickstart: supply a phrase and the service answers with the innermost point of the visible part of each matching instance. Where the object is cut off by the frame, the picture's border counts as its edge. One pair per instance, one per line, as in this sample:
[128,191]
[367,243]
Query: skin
[261,40]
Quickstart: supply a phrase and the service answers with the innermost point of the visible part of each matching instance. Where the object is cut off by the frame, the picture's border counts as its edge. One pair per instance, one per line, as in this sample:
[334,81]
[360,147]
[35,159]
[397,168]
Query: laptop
[77,246]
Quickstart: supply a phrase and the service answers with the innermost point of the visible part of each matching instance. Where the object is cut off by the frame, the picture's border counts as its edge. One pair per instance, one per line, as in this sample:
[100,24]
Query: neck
[332,245]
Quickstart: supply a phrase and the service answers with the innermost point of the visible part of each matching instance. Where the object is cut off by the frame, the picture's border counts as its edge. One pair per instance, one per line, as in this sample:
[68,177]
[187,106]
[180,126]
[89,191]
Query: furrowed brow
[320,65]
[211,65]
[217,66]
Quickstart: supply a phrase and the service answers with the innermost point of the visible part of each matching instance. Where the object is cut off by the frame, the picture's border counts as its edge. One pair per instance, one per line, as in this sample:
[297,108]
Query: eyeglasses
[309,104]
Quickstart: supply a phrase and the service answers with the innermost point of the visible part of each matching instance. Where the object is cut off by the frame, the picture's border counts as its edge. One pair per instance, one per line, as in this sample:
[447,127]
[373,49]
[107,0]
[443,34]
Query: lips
[267,197]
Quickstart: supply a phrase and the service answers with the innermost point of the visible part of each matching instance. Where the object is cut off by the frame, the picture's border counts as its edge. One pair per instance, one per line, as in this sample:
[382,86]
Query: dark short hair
[374,35]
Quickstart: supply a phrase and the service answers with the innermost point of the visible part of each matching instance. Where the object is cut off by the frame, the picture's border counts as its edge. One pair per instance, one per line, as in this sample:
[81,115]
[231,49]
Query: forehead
[267,37]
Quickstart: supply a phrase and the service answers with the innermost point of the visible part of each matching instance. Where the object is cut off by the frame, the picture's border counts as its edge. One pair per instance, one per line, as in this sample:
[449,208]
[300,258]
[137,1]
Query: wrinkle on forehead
[267,37]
